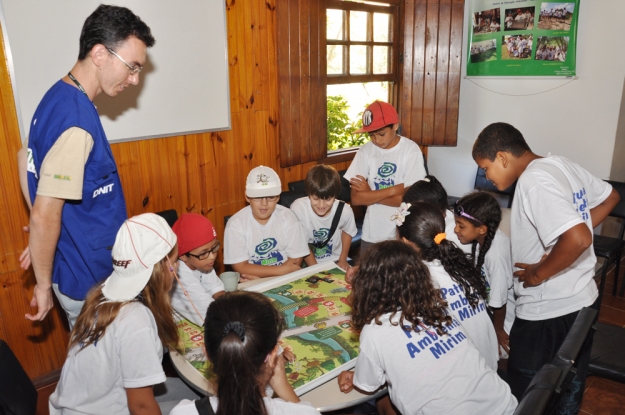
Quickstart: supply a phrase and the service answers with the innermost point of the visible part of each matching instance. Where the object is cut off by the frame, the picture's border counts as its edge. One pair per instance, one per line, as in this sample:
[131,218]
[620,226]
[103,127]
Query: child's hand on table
[349,274]
[342,263]
[346,381]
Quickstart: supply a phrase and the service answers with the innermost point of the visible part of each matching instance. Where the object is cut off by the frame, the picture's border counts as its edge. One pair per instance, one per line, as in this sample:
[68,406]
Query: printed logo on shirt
[459,304]
[30,163]
[385,176]
[265,253]
[320,236]
[103,190]
[581,203]
[437,345]
[62,177]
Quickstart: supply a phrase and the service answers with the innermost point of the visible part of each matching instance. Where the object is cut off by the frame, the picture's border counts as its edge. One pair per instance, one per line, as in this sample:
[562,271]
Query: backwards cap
[141,242]
[377,115]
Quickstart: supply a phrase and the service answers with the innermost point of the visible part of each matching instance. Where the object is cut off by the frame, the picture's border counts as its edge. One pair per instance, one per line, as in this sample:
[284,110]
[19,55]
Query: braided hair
[483,207]
[420,227]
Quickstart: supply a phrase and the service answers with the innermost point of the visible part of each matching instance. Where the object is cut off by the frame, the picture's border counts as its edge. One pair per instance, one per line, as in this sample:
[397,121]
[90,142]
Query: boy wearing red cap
[382,170]
[197,250]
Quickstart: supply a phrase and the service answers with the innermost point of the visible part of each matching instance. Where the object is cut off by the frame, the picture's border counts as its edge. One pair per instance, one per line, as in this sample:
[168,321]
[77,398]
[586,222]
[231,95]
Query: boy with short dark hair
[316,213]
[556,205]
[381,171]
[264,239]
[197,251]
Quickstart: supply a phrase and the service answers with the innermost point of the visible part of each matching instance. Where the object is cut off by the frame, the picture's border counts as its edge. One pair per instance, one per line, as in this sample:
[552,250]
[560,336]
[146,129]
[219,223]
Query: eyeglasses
[206,253]
[133,69]
[266,198]
[459,211]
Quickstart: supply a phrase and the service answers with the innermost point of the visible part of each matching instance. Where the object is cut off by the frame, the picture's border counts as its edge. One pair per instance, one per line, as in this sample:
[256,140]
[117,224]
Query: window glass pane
[381,27]
[335,59]
[357,60]
[380,60]
[334,24]
[358,26]
[346,103]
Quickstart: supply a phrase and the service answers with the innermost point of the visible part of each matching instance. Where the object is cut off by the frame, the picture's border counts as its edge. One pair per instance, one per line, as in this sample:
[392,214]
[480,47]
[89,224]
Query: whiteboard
[183,87]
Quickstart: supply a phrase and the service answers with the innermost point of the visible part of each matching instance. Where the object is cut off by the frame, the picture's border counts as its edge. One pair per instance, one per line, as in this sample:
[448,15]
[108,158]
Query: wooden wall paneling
[455,70]
[286,80]
[429,90]
[442,70]
[407,26]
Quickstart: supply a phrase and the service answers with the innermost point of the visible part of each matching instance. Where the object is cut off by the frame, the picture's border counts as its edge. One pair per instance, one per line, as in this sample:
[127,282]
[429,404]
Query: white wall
[578,120]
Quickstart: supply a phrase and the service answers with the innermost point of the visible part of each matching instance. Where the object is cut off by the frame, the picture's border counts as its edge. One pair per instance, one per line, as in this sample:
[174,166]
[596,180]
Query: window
[422,68]
[362,64]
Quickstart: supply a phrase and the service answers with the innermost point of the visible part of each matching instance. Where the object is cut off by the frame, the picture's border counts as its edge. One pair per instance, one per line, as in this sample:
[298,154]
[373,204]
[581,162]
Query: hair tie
[237,327]
[400,214]
[439,238]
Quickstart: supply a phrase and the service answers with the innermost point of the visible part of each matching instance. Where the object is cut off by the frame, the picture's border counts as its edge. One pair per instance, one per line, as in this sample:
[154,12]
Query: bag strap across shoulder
[204,407]
[335,224]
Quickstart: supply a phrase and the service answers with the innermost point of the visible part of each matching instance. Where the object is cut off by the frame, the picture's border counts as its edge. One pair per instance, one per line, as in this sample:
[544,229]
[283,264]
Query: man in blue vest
[77,200]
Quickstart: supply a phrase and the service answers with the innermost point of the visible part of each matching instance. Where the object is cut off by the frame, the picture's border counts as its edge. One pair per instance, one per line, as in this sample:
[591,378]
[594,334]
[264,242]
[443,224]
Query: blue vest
[88,226]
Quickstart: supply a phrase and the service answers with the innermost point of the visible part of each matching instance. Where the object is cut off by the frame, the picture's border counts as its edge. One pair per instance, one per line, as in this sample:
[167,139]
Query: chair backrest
[619,209]
[290,196]
[345,194]
[171,216]
[18,395]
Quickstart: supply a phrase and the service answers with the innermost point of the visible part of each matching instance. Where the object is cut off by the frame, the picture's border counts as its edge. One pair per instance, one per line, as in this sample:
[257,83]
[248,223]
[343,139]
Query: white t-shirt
[385,168]
[429,374]
[280,238]
[274,406]
[552,195]
[497,270]
[201,288]
[317,228]
[94,379]
[450,225]
[476,321]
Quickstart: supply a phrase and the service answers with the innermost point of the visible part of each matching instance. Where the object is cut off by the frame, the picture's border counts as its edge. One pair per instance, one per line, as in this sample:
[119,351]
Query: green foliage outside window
[340,127]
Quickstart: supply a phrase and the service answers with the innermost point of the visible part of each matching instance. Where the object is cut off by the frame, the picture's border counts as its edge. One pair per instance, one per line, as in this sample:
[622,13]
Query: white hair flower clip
[400,215]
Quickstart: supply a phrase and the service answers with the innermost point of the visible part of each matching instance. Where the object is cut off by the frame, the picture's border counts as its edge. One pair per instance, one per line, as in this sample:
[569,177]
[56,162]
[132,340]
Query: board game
[318,331]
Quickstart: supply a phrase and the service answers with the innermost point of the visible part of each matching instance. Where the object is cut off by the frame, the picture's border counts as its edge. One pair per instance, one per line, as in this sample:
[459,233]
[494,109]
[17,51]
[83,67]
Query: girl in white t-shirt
[409,341]
[116,346]
[241,334]
[461,284]
[477,221]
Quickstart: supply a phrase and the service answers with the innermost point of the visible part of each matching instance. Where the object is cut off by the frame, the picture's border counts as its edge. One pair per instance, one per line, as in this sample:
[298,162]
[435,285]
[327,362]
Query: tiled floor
[602,396]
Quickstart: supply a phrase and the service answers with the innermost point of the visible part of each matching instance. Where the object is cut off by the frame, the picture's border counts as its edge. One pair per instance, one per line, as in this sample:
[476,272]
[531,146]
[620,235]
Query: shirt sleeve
[211,283]
[358,166]
[235,242]
[63,168]
[415,169]
[140,350]
[368,375]
[348,222]
[597,190]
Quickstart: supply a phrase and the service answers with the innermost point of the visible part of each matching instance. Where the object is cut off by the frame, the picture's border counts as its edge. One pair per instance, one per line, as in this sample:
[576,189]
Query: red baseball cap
[193,230]
[377,115]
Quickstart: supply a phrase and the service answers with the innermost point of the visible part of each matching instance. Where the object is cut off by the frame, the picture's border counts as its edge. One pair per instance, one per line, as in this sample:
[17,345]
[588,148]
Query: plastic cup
[230,280]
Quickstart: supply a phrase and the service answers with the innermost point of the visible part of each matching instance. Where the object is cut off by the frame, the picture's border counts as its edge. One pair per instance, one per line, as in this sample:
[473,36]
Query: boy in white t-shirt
[381,171]
[316,213]
[264,239]
[197,250]
[556,205]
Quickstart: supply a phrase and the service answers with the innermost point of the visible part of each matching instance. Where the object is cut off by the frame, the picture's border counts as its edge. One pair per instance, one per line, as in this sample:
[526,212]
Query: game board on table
[318,327]
[318,331]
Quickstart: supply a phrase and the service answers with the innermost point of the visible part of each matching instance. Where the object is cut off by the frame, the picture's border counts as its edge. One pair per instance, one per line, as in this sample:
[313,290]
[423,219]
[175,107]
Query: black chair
[611,248]
[18,395]
[546,387]
[290,196]
[606,358]
[171,216]
[482,183]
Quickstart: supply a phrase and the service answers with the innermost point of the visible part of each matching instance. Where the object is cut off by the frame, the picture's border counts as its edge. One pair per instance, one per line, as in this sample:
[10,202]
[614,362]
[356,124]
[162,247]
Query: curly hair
[420,227]
[498,137]
[392,279]
[483,207]
[238,355]
[430,191]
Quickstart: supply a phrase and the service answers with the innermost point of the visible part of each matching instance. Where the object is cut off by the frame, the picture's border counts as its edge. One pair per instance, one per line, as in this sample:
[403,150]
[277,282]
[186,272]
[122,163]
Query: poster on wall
[522,38]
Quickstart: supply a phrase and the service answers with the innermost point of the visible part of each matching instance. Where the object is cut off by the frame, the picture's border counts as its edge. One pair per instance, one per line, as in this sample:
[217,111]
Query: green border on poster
[487,52]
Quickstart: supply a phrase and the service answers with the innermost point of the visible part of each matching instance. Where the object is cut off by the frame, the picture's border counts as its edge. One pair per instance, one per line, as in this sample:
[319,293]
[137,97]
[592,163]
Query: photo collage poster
[522,38]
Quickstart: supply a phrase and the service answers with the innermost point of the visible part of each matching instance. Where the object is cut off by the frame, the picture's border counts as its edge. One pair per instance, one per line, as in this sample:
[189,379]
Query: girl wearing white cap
[116,346]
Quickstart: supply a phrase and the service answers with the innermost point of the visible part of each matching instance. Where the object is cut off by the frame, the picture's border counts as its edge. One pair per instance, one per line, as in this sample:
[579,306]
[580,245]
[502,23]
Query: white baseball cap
[262,181]
[141,242]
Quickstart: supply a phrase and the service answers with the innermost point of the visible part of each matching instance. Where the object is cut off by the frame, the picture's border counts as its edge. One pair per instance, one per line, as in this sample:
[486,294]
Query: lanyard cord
[184,290]
[74,80]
